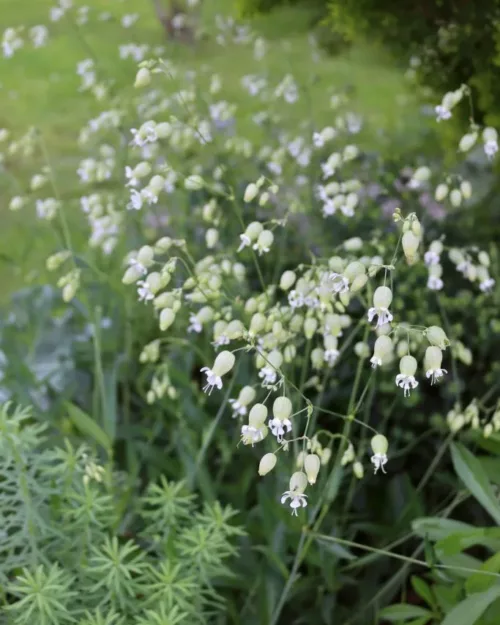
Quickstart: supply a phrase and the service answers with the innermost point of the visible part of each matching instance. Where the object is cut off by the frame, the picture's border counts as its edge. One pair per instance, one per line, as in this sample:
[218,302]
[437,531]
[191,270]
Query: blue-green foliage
[77,545]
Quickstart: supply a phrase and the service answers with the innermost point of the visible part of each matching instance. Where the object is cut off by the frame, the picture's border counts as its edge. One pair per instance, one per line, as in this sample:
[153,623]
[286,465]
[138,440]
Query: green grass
[40,88]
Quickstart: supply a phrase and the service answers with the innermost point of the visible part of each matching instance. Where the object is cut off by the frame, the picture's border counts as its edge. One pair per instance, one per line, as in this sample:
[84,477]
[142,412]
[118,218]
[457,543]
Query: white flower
[442,113]
[136,200]
[245,242]
[487,285]
[340,283]
[434,283]
[251,435]
[431,258]
[144,291]
[379,446]
[382,299]
[491,148]
[298,484]
[330,356]
[268,375]
[194,324]
[432,363]
[406,378]
[222,365]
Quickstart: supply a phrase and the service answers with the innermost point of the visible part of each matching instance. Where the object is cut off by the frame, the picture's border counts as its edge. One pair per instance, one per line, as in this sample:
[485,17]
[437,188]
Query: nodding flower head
[382,299]
[280,423]
[379,445]
[240,405]
[256,430]
[222,365]
[432,363]
[406,378]
[297,486]
[382,351]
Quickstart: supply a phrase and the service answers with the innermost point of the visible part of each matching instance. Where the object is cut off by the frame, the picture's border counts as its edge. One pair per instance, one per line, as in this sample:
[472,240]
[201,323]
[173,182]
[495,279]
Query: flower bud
[246,396]
[421,174]
[379,445]
[223,363]
[467,141]
[310,327]
[382,297]
[490,134]
[484,258]
[257,323]
[408,366]
[132,274]
[69,290]
[163,130]
[436,336]
[466,189]
[354,244]
[258,415]
[167,317]
[142,78]
[145,256]
[312,464]
[267,464]
[250,192]
[410,246]
[441,192]
[142,169]
[318,358]
[298,482]
[358,470]
[211,237]
[354,269]
[56,260]
[326,454]
[456,198]
[361,350]
[154,282]
[290,353]
[287,280]
[358,283]
[282,408]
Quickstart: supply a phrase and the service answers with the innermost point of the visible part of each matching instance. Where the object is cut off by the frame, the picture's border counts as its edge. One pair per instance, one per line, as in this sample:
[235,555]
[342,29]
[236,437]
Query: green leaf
[437,529]
[468,611]
[402,612]
[423,590]
[336,549]
[87,425]
[470,471]
[461,541]
[479,582]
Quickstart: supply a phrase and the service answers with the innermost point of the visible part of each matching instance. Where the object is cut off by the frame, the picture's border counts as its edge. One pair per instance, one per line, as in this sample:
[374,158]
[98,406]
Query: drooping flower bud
[354,269]
[267,463]
[142,78]
[358,470]
[382,351]
[466,189]
[310,327]
[441,192]
[223,363]
[437,336]
[257,323]
[211,237]
[287,280]
[456,198]
[250,192]
[318,358]
[312,465]
[467,141]
[410,244]
[167,317]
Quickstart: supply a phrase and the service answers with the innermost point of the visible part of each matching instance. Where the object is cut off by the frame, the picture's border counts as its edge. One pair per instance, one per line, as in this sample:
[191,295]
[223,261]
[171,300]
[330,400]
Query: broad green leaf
[479,582]
[470,471]
[87,425]
[403,612]
[437,529]
[469,611]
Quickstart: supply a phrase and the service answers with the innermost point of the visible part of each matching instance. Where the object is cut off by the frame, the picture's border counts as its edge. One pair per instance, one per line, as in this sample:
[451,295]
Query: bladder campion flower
[256,430]
[432,363]
[282,409]
[382,299]
[246,397]
[222,365]
[406,378]
[379,445]
[382,351]
[298,484]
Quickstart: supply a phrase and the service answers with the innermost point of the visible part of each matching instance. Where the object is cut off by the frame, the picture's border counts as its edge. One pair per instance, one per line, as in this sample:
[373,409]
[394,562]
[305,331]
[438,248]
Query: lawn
[40,88]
